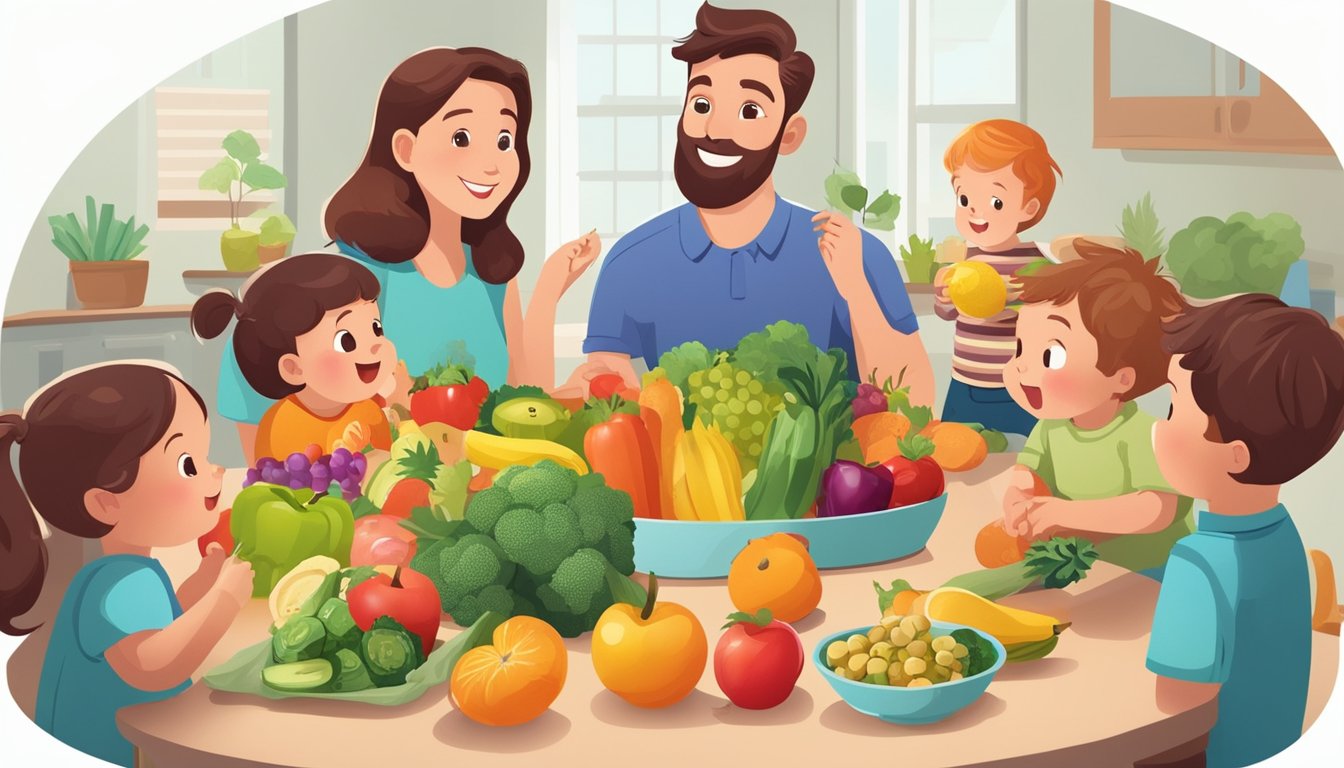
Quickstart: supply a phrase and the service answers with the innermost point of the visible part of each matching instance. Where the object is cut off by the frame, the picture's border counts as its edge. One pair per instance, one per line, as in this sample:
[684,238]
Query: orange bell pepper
[619,448]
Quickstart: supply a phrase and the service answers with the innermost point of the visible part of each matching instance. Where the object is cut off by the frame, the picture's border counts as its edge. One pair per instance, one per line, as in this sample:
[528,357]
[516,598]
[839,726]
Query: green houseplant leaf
[220,176]
[854,196]
[882,212]
[242,146]
[277,229]
[103,237]
[258,175]
[919,259]
[1140,229]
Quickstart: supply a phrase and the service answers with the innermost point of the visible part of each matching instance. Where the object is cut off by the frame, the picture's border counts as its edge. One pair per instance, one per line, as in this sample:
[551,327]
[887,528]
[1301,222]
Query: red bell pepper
[620,449]
[449,394]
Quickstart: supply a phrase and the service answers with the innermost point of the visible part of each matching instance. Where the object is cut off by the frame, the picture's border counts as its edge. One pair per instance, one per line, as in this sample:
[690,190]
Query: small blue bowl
[682,549]
[910,706]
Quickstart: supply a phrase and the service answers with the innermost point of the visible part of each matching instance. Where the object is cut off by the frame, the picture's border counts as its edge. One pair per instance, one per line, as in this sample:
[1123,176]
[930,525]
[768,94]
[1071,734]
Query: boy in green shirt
[1089,341]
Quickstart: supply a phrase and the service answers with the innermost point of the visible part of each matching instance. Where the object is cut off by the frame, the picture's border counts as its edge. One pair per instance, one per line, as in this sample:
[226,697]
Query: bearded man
[737,256]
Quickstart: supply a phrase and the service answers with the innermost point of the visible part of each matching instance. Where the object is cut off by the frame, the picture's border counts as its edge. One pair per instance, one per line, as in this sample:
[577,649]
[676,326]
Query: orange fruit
[775,572]
[956,447]
[994,546]
[515,678]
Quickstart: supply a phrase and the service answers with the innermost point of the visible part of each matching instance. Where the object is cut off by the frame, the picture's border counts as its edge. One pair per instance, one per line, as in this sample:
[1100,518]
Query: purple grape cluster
[342,467]
[870,399]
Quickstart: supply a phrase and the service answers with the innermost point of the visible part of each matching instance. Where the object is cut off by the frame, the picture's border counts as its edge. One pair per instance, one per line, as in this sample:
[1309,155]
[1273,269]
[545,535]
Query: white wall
[119,165]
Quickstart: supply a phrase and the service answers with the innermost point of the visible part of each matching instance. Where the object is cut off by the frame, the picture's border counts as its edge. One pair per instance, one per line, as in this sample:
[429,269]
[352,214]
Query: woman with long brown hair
[427,211]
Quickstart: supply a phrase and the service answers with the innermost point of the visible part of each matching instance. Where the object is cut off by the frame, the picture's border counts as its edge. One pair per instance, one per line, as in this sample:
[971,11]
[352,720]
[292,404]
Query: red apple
[758,660]
[219,534]
[407,596]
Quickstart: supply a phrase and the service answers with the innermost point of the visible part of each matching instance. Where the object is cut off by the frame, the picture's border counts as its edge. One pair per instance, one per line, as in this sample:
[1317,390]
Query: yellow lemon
[976,289]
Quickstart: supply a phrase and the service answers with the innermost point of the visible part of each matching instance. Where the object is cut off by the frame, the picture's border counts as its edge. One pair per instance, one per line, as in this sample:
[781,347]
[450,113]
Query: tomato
[457,405]
[407,596]
[757,661]
[220,533]
[606,385]
[914,480]
[381,540]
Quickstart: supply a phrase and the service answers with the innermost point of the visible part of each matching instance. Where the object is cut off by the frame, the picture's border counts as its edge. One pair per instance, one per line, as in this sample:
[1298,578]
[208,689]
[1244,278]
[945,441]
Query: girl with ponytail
[117,453]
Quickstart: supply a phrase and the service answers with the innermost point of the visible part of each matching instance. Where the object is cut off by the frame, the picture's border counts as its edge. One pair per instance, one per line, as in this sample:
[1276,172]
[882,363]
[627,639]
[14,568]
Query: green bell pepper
[277,528]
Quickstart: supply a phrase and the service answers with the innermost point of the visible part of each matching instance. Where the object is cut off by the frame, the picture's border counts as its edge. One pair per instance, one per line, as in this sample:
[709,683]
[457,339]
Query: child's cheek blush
[332,366]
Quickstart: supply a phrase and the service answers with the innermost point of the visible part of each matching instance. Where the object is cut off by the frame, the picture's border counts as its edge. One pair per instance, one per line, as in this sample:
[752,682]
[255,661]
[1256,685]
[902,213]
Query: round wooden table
[1091,702]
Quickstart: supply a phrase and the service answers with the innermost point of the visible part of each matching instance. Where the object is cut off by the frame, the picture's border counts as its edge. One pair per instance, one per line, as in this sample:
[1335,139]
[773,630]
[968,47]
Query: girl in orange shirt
[310,336]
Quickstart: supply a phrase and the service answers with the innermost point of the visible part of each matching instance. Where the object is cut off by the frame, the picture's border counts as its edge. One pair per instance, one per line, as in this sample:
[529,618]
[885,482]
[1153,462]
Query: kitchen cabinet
[37,347]
[1158,87]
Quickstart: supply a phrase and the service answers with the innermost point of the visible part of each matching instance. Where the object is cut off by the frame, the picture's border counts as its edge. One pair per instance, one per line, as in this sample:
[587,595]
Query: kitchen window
[238,86]
[927,70]
[620,94]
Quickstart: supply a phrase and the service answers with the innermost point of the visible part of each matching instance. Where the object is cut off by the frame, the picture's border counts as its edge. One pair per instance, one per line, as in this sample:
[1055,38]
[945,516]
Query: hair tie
[18,426]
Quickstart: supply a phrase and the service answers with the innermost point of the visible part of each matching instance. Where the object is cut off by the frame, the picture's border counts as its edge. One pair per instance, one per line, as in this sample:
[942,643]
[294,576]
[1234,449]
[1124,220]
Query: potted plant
[277,232]
[101,255]
[241,167]
[920,261]
[1212,258]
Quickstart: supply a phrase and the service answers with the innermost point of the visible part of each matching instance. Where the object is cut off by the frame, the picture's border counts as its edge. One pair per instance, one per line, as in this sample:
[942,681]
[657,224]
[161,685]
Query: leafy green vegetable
[980,652]
[919,259]
[846,194]
[1140,228]
[835,186]
[1054,564]
[390,652]
[778,345]
[1211,258]
[448,490]
[678,363]
[299,639]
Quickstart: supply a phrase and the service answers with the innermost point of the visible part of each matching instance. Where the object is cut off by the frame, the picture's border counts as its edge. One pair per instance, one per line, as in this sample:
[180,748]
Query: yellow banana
[732,471]
[497,452]
[719,475]
[702,492]
[682,508]
[1011,626]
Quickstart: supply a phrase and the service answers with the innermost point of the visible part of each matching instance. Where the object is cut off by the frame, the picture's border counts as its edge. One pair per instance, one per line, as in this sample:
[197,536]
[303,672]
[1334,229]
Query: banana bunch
[706,476]
[498,452]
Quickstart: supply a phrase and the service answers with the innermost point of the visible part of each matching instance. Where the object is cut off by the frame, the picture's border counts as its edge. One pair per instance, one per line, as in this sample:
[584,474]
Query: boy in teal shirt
[1089,341]
[1257,399]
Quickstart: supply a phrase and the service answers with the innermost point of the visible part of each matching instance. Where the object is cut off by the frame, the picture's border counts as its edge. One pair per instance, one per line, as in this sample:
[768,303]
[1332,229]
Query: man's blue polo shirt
[1235,609]
[666,283]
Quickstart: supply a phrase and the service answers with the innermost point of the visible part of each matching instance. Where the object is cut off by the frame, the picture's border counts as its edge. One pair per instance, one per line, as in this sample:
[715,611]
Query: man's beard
[712,188]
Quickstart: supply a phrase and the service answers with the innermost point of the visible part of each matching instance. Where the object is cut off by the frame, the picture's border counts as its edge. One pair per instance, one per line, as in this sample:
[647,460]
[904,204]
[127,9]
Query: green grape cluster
[739,404]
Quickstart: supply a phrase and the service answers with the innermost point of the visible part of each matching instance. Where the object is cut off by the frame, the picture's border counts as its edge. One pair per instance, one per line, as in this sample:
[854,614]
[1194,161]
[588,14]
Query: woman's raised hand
[570,261]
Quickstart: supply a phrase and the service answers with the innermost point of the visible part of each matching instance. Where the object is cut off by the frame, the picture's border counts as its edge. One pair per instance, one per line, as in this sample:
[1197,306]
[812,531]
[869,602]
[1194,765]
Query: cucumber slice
[298,676]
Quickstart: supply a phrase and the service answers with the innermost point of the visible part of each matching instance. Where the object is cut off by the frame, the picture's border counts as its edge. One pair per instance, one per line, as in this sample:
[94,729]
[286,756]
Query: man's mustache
[720,146]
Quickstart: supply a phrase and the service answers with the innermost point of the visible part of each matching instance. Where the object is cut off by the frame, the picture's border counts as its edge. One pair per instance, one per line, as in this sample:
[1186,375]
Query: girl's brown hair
[84,431]
[279,304]
[382,211]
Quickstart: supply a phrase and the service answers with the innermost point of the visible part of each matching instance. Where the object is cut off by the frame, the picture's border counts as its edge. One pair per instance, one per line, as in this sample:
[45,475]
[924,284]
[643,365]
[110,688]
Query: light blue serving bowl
[910,706]
[682,549]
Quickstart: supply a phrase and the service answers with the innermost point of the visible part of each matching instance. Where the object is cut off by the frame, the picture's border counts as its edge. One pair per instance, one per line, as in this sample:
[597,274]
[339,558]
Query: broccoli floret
[469,566]
[552,604]
[619,547]
[545,483]
[580,580]
[538,541]
[485,509]
[426,561]
[495,597]
[603,503]
[505,477]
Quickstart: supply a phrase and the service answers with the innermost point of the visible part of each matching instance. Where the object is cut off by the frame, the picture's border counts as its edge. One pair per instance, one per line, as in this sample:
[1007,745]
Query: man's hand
[579,383]
[841,247]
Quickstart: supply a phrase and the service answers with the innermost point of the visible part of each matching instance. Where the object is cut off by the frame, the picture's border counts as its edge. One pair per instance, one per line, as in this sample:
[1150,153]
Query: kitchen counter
[1050,707]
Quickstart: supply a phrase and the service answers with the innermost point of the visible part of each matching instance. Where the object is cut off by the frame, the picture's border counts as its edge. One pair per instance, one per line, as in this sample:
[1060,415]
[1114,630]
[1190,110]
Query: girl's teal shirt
[427,323]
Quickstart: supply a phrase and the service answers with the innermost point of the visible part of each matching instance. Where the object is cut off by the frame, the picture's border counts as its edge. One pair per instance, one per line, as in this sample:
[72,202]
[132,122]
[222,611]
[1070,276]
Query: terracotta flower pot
[110,284]
[269,253]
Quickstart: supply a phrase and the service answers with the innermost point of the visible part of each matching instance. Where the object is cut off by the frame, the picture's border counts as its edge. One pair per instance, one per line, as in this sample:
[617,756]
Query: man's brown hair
[727,33]
[1269,375]
[1122,300]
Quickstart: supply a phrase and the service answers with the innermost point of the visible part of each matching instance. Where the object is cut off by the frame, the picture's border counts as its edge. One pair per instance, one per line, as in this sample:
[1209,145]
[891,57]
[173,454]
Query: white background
[67,67]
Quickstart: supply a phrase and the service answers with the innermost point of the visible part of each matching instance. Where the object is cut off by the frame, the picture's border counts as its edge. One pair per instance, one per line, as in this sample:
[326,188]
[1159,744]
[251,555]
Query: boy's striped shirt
[981,348]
